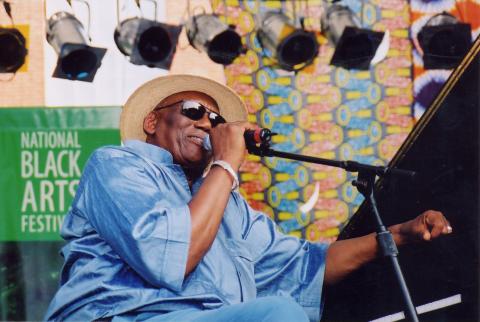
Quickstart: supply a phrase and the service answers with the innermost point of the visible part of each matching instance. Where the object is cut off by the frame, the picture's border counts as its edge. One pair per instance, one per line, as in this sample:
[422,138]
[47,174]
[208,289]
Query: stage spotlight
[147,42]
[13,50]
[444,41]
[354,47]
[209,34]
[293,48]
[76,59]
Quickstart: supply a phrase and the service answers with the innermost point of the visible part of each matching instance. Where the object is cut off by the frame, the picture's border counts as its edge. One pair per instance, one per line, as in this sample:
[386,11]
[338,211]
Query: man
[157,231]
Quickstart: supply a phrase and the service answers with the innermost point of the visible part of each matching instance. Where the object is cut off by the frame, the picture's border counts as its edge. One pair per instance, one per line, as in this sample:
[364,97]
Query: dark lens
[216,119]
[193,110]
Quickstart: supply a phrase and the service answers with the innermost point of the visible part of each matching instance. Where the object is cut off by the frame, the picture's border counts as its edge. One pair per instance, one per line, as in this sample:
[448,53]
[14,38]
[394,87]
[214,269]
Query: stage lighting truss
[147,42]
[13,48]
[77,60]
[207,33]
[292,48]
[444,41]
[355,47]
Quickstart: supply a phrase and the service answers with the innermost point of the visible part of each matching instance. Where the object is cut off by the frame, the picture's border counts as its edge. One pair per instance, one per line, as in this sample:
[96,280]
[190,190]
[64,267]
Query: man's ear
[150,123]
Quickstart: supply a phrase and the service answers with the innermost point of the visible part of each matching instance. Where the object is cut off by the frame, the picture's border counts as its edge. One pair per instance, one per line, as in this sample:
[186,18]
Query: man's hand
[228,143]
[425,227]
[345,256]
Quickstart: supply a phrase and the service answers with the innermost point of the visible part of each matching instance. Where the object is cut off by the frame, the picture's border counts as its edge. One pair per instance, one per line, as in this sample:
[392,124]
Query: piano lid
[443,150]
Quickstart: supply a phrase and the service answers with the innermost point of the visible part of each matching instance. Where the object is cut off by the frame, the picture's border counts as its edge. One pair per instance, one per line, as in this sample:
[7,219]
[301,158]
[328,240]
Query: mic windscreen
[206,143]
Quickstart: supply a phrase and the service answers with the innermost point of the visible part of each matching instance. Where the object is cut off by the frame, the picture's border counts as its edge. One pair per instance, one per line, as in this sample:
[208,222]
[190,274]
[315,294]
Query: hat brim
[147,97]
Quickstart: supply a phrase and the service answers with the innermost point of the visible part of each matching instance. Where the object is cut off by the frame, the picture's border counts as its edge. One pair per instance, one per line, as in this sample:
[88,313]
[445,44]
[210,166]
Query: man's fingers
[426,235]
[437,230]
[448,228]
[436,224]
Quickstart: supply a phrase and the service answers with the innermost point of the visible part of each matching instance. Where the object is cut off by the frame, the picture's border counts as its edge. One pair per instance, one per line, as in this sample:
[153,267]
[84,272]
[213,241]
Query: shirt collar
[153,152]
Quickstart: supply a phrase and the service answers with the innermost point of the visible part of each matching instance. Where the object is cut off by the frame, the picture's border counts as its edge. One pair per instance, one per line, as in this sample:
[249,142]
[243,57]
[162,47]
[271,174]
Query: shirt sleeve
[123,200]
[286,265]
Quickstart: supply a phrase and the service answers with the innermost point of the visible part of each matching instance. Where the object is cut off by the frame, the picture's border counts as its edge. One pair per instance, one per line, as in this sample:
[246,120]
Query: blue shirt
[128,233]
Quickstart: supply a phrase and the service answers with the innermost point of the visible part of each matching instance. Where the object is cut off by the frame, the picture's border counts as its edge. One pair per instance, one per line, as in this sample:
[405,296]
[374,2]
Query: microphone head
[207,145]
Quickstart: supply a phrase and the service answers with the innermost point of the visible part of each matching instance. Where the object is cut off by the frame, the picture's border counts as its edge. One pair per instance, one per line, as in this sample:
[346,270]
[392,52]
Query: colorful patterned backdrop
[321,111]
[427,83]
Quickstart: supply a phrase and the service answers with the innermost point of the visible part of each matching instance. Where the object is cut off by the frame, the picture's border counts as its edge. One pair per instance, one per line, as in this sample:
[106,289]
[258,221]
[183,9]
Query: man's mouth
[196,139]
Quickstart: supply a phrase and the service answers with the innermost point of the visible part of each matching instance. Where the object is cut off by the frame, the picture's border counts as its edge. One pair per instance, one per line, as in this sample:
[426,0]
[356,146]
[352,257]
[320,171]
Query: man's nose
[204,123]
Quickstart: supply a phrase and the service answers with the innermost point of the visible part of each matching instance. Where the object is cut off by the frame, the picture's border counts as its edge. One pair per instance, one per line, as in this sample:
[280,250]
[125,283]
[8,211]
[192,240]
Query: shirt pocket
[244,264]
[240,248]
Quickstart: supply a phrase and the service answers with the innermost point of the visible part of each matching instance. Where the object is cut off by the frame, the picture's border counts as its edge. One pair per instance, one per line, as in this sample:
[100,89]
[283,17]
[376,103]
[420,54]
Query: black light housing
[444,41]
[13,50]
[207,33]
[355,47]
[76,59]
[147,42]
[293,48]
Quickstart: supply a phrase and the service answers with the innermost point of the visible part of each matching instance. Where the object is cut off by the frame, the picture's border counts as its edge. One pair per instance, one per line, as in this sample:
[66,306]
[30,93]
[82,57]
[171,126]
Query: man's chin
[196,164]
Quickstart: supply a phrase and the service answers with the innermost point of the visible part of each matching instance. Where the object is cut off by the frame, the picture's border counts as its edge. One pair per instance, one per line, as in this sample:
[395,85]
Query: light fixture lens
[444,46]
[225,47]
[359,46]
[356,48]
[444,41]
[298,48]
[13,51]
[154,44]
[79,64]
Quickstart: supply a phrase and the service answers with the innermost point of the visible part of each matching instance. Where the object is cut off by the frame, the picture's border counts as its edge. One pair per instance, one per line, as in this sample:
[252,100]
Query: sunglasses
[195,111]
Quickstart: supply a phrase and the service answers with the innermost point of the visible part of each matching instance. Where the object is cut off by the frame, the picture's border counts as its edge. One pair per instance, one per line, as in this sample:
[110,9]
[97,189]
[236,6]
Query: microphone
[207,145]
[252,137]
[257,136]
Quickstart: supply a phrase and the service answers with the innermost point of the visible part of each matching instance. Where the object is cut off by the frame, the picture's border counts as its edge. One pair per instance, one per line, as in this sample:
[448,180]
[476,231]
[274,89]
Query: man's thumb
[427,235]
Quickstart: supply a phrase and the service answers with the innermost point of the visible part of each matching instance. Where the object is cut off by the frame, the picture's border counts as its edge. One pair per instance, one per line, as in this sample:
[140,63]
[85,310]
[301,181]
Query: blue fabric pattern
[128,234]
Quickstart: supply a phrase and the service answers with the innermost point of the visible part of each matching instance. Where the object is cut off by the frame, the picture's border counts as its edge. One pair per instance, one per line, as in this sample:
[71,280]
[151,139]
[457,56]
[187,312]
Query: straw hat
[147,97]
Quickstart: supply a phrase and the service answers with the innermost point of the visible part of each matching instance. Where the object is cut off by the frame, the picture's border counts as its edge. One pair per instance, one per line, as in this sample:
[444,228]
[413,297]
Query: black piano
[442,275]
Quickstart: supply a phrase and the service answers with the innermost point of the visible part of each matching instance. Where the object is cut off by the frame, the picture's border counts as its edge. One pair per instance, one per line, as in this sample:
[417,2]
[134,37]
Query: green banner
[43,153]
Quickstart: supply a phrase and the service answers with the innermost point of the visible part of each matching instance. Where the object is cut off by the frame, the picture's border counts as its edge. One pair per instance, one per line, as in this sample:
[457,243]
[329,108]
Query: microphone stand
[364,184]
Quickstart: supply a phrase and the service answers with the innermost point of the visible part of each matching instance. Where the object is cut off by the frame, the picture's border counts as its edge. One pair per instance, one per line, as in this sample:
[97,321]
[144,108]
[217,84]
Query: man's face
[182,137]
